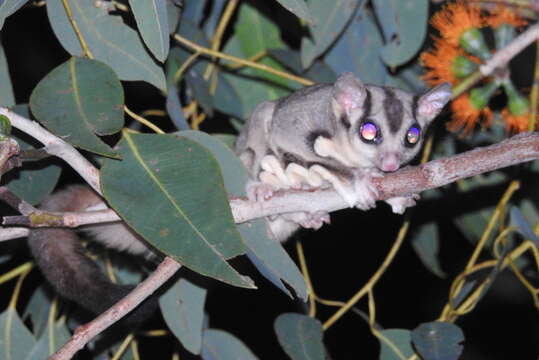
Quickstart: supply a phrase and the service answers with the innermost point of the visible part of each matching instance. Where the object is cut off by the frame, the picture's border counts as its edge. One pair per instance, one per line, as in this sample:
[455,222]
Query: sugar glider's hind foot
[309,220]
[401,203]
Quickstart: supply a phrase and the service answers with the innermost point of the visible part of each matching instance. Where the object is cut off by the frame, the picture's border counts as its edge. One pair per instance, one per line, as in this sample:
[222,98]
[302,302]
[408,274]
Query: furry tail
[60,256]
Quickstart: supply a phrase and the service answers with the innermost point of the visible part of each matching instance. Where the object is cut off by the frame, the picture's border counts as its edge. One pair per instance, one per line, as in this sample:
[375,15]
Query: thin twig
[56,146]
[166,269]
[409,180]
[238,60]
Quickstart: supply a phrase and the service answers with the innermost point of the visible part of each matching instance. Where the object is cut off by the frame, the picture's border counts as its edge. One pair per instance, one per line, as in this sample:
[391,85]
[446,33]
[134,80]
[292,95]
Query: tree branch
[85,333]
[56,146]
[409,180]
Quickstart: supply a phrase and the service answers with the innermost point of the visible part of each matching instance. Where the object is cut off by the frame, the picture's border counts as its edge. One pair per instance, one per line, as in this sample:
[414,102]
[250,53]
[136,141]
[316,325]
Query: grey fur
[320,125]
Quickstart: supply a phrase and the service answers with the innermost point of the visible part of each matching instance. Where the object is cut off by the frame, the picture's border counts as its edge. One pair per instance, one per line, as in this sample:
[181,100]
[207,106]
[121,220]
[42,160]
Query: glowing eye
[412,136]
[368,131]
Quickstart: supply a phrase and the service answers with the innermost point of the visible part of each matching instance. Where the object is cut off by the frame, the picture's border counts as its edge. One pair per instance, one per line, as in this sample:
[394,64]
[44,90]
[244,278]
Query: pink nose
[389,161]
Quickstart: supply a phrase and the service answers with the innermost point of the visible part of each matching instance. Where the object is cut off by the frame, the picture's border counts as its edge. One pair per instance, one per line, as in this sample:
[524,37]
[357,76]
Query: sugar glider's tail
[60,256]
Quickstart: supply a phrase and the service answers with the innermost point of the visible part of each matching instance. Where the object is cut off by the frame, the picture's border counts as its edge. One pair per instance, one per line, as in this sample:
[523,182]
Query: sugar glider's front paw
[400,203]
[366,192]
[260,191]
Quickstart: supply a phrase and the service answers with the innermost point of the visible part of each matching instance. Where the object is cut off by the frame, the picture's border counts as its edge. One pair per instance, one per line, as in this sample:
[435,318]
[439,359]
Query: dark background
[341,257]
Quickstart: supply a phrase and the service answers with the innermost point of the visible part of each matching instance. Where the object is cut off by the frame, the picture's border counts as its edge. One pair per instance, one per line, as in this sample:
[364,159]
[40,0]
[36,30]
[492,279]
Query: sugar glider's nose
[389,161]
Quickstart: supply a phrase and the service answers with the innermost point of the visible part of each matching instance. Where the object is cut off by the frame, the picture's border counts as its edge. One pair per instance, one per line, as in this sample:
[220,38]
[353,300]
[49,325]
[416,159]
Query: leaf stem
[238,60]
[142,120]
[85,50]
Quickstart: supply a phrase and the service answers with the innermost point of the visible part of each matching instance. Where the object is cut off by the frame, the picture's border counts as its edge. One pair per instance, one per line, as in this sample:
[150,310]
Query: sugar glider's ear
[349,97]
[432,102]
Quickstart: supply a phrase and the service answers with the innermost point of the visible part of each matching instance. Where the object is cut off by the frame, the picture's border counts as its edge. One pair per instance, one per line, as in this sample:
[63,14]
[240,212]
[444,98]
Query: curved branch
[409,180]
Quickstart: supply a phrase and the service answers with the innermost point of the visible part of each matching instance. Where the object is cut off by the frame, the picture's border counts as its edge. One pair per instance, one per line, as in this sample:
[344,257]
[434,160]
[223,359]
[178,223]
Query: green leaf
[329,20]
[519,221]
[300,336]
[358,50]
[8,7]
[221,345]
[426,244]
[438,340]
[109,39]
[35,179]
[298,8]
[184,211]
[395,344]
[200,90]
[407,23]
[78,99]
[152,21]
[250,90]
[183,310]
[173,16]
[51,340]
[255,33]
[267,255]
[16,341]
[6,90]
[37,311]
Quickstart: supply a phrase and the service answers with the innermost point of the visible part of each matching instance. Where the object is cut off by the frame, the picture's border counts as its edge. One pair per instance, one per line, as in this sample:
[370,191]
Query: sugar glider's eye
[369,132]
[412,135]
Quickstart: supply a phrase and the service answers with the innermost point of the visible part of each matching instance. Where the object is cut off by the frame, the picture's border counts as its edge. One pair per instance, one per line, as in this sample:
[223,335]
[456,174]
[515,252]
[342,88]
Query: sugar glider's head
[384,126]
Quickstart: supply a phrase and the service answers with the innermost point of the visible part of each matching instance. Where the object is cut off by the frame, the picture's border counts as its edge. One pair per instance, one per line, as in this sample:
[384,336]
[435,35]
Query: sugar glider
[338,135]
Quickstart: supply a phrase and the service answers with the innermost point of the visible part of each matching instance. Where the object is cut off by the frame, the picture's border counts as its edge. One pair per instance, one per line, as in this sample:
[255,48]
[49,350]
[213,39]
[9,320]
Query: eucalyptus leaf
[183,310]
[300,336]
[519,221]
[298,8]
[395,344]
[255,33]
[52,339]
[329,20]
[187,216]
[173,15]
[426,244]
[267,255]
[152,21]
[221,345]
[35,179]
[16,341]
[174,108]
[248,85]
[37,311]
[287,57]
[8,7]
[358,49]
[78,99]
[193,11]
[463,293]
[214,16]
[7,98]
[438,340]
[408,20]
[200,90]
[109,40]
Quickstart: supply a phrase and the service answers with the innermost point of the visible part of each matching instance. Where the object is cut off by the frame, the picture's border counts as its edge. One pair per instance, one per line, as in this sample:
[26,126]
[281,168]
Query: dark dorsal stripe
[367,104]
[415,105]
[394,110]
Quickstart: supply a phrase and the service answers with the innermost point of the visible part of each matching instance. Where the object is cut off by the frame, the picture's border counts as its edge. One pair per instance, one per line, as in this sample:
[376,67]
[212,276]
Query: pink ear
[432,102]
[349,92]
